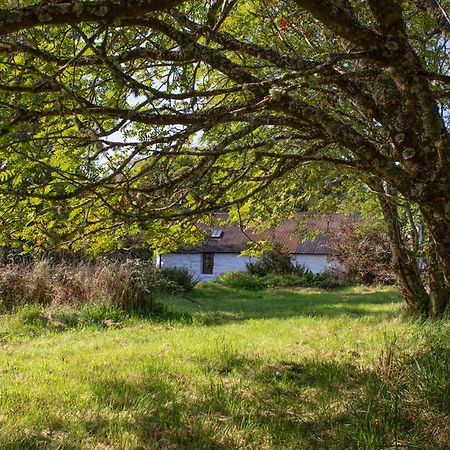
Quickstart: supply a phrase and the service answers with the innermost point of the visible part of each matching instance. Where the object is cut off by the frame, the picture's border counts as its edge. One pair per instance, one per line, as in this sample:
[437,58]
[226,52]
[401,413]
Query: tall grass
[130,285]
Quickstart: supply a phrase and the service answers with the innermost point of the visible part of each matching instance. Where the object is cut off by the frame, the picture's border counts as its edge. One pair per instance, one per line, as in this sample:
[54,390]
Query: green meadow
[228,369]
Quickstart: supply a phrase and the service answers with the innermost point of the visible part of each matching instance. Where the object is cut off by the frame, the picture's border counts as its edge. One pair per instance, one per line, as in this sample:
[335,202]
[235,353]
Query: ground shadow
[219,304]
[286,405]
[235,401]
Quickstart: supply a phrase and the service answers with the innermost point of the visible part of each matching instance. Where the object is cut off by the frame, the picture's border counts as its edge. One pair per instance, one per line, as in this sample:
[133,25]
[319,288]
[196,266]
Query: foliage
[364,253]
[129,285]
[275,269]
[254,282]
[329,279]
[252,370]
[272,280]
[183,278]
[118,129]
[274,261]
[108,129]
[241,280]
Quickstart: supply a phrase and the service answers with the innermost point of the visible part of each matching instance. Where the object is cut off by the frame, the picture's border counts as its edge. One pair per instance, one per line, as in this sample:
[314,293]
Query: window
[207,263]
[216,233]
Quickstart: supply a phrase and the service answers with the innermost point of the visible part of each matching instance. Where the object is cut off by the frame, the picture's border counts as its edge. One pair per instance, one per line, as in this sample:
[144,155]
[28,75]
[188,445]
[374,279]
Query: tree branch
[72,12]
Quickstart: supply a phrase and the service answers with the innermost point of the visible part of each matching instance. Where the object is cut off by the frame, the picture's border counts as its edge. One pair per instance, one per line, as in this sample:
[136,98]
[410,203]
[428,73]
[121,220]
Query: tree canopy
[120,115]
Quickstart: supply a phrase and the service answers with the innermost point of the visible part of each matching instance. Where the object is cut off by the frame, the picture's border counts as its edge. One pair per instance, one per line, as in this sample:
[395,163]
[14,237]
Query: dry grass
[126,285]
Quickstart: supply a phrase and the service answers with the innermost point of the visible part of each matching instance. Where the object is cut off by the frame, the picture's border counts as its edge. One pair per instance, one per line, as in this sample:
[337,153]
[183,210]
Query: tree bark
[435,300]
[404,262]
[73,12]
[439,288]
[439,228]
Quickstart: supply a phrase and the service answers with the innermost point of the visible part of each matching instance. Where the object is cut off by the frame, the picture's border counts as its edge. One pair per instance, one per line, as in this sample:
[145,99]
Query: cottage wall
[223,262]
[229,262]
[314,263]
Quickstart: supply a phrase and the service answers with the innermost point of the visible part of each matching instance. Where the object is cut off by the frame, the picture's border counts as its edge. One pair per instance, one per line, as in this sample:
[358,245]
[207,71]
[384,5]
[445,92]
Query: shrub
[255,268]
[309,279]
[273,280]
[272,261]
[299,270]
[330,280]
[364,253]
[325,280]
[183,278]
[242,280]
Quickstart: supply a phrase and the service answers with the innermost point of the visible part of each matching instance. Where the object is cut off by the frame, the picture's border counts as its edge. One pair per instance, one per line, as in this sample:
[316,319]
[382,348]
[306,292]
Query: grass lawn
[285,369]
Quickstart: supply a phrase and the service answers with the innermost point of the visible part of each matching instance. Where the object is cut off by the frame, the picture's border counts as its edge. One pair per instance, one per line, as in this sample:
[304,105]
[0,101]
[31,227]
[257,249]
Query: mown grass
[227,369]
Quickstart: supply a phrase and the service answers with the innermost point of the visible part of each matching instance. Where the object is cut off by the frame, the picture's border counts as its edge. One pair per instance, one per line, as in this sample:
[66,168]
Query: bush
[272,261]
[324,280]
[184,279]
[364,253]
[242,280]
[309,279]
[275,269]
[330,280]
[272,280]
[299,270]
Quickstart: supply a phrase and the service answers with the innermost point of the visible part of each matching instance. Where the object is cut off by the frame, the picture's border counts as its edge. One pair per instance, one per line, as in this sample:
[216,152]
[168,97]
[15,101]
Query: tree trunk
[439,227]
[439,289]
[404,262]
[435,300]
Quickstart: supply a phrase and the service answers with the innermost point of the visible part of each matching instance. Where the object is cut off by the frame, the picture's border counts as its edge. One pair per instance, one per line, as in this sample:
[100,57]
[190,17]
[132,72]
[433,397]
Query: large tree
[119,113]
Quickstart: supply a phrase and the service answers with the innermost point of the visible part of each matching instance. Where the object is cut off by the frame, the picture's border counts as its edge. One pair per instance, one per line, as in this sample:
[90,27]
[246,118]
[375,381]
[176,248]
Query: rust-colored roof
[289,234]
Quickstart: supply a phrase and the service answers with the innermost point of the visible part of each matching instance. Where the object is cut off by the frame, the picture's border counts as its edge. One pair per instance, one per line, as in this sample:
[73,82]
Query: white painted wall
[314,263]
[223,262]
[229,262]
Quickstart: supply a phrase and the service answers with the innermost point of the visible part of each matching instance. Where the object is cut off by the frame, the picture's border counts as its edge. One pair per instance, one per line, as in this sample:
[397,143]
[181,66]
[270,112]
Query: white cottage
[220,252]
